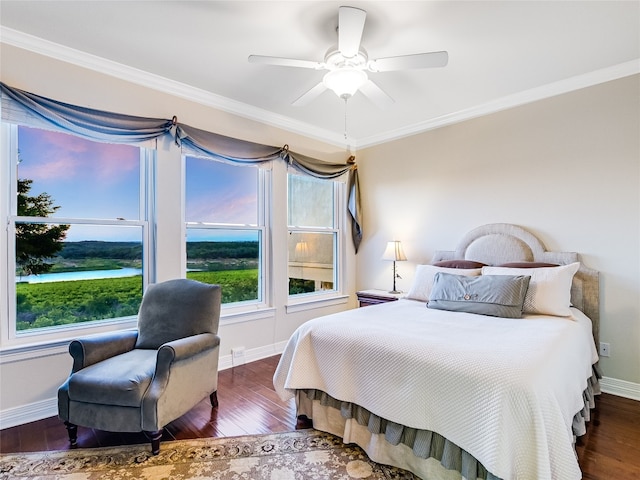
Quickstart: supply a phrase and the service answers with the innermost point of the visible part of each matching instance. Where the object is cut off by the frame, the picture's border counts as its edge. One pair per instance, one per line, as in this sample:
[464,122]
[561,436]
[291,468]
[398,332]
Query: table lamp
[394,253]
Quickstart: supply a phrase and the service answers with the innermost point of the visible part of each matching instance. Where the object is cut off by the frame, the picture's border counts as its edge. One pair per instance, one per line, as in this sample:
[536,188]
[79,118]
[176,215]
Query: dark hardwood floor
[248,405]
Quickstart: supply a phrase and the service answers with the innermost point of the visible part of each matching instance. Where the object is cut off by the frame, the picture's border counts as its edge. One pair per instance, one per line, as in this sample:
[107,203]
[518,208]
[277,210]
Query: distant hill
[99,249]
[133,250]
[211,250]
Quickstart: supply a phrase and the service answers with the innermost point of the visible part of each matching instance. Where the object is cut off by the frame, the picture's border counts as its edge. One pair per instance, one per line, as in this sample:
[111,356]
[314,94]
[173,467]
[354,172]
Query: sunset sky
[98,180]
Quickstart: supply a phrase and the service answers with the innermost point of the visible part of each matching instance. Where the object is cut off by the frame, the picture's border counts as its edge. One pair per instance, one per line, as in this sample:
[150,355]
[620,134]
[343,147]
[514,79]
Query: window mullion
[148,215]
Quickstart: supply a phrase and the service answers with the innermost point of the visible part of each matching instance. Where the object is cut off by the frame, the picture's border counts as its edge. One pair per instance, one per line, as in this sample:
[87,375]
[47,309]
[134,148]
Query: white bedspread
[504,390]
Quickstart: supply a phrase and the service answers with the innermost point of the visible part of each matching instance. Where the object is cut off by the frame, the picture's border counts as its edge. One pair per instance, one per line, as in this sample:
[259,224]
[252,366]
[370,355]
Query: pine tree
[36,242]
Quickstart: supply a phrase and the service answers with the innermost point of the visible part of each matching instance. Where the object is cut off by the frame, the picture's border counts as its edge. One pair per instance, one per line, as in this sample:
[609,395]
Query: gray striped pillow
[494,295]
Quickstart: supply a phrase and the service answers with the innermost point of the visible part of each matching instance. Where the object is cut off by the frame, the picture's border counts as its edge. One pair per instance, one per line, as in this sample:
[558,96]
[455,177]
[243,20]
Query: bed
[493,383]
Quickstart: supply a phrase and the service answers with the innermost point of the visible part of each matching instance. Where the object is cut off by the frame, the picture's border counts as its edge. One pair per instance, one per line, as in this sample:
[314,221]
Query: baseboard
[251,355]
[621,388]
[32,412]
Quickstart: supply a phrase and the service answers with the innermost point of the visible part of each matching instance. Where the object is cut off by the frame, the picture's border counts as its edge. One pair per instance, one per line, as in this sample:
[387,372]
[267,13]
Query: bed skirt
[423,452]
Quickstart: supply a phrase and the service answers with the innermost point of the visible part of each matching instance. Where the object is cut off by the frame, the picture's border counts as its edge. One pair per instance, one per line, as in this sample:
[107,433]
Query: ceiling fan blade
[350,28]
[378,96]
[309,95]
[285,62]
[404,62]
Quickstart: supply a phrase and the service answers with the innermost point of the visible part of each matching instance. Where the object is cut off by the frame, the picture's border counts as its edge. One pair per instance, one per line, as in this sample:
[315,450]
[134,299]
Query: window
[313,219]
[225,227]
[78,229]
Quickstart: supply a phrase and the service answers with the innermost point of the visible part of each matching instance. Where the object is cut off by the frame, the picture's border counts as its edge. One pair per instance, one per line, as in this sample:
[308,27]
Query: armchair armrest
[184,348]
[89,350]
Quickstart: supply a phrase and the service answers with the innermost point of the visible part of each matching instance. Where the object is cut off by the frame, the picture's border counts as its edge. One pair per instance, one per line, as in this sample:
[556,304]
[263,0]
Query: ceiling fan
[348,63]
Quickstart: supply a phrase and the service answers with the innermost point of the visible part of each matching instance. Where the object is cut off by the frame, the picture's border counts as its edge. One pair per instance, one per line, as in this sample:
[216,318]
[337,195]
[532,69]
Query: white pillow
[423,281]
[549,290]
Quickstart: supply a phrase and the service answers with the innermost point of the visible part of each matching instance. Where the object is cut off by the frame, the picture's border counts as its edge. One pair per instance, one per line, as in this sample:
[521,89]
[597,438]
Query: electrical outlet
[237,352]
[237,356]
[604,349]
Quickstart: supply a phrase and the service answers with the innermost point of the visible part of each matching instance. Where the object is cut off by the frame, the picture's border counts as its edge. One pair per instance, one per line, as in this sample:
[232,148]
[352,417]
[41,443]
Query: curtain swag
[86,122]
[118,128]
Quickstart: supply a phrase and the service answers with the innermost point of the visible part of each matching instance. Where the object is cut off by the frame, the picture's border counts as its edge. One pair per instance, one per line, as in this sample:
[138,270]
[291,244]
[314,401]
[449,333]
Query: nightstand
[373,297]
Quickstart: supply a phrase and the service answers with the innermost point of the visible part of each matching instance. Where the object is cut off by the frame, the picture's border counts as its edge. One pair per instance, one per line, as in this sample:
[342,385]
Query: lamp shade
[394,252]
[302,251]
[345,81]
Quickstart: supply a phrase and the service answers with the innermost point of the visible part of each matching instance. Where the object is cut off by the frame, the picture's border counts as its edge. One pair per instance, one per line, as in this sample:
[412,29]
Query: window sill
[229,316]
[40,344]
[33,350]
[54,341]
[310,302]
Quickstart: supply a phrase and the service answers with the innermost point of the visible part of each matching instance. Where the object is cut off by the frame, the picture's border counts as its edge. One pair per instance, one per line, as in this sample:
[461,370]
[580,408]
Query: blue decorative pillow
[494,295]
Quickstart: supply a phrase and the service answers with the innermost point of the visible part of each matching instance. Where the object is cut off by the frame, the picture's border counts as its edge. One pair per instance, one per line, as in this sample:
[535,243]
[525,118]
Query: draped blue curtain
[234,150]
[118,128]
[87,122]
[226,148]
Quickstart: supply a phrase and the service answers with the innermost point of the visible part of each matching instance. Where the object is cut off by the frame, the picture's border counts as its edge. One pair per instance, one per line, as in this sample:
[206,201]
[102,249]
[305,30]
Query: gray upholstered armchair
[140,380]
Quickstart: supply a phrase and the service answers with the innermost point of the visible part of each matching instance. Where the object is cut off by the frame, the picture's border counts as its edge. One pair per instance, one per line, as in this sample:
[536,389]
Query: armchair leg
[214,399]
[72,430]
[155,440]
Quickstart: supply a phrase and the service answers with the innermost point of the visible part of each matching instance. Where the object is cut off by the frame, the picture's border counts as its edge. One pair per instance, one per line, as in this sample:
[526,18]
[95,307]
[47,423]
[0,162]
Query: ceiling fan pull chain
[345,118]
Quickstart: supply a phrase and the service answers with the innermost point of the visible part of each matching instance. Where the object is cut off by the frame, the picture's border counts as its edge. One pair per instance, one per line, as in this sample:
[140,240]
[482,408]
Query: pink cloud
[230,207]
[52,155]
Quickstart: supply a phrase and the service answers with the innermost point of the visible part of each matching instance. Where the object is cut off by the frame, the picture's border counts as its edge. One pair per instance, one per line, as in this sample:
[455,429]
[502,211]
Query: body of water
[86,275]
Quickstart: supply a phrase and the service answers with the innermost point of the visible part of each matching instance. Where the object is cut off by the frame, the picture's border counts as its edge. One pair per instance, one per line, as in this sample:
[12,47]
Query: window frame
[10,337]
[235,312]
[302,301]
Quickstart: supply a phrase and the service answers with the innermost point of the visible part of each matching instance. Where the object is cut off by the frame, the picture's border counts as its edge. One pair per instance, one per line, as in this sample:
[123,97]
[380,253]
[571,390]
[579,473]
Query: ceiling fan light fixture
[345,81]
[347,63]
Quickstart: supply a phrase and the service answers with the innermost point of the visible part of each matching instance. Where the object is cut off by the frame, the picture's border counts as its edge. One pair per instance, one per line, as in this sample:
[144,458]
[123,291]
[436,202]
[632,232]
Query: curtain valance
[226,148]
[234,150]
[87,122]
[118,128]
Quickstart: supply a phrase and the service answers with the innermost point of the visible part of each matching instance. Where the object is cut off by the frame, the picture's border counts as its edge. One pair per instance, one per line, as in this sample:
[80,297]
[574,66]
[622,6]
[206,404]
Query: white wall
[29,379]
[566,168]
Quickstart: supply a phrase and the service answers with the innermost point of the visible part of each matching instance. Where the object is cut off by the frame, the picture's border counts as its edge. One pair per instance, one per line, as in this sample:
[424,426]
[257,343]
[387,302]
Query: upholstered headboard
[498,243]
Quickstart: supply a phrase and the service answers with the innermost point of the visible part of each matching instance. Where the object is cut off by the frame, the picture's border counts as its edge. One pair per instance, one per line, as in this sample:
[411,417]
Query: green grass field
[41,305]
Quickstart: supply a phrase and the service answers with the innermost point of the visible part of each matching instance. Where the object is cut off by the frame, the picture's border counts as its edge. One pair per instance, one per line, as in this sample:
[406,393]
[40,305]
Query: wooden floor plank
[249,405]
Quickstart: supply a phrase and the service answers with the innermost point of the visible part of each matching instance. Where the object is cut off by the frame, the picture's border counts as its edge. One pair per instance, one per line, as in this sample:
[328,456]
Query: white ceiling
[501,54]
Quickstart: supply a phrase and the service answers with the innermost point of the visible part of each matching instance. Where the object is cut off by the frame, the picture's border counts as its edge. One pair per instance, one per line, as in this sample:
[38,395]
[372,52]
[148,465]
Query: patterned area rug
[303,454]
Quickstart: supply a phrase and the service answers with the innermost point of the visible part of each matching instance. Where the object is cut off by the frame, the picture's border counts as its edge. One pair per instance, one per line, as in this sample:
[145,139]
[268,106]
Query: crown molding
[521,98]
[156,82]
[165,85]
